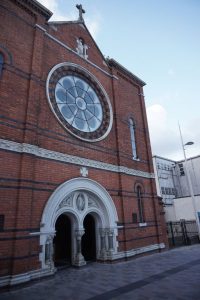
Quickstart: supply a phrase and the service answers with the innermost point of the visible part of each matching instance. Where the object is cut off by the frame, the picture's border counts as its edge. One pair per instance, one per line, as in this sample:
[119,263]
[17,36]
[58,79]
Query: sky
[158,41]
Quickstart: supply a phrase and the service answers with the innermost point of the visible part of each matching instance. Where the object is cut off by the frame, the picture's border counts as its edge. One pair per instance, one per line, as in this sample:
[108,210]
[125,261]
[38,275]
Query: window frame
[133,138]
[1,63]
[140,205]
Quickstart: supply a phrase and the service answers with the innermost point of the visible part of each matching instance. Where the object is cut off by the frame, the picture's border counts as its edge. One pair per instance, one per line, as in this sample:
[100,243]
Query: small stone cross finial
[81,12]
[84,171]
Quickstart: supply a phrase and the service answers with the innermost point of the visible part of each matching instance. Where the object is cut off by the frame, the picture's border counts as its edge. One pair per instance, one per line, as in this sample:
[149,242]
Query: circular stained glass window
[79,102]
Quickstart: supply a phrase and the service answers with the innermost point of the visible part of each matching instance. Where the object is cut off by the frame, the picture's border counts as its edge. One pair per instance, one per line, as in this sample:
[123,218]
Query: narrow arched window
[140,204]
[133,141]
[1,64]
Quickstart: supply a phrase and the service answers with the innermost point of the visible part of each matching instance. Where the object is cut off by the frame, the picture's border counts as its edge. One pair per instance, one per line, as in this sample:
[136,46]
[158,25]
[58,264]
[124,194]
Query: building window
[79,102]
[174,191]
[1,64]
[163,190]
[133,141]
[140,204]
[134,217]
[2,220]
[181,168]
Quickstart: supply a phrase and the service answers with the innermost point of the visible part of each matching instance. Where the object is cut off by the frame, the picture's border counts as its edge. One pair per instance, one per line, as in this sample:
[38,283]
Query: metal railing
[182,233]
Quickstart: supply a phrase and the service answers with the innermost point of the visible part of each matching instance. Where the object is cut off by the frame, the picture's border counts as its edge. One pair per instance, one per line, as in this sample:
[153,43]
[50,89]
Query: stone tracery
[91,199]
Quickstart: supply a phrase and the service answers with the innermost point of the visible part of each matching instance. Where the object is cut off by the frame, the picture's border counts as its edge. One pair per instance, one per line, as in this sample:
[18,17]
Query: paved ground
[174,274]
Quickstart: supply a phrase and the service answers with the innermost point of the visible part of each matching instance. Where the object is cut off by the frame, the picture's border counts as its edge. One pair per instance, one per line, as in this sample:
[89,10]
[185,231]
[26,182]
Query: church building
[77,182]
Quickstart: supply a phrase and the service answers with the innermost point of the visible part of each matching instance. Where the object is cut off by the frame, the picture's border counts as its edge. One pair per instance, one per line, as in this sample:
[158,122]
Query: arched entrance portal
[89,239]
[62,241]
[79,224]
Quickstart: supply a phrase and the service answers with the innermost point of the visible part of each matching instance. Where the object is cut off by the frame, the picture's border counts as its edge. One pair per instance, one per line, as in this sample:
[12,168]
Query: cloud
[171,73]
[165,136]
[52,5]
[164,139]
[93,23]
[58,15]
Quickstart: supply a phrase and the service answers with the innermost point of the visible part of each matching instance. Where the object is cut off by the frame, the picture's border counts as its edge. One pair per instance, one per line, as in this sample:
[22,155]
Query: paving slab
[174,274]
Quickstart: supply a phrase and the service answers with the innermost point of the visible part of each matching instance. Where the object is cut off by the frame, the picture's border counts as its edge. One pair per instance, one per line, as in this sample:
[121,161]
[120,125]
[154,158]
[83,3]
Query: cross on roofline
[81,12]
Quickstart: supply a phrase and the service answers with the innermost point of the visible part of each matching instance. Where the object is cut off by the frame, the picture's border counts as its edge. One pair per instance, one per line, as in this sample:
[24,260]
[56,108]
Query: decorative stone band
[138,251]
[76,160]
[25,277]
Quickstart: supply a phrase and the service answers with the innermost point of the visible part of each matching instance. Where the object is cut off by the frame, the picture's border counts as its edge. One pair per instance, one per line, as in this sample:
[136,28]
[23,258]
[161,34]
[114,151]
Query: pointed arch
[7,56]
[139,189]
[1,63]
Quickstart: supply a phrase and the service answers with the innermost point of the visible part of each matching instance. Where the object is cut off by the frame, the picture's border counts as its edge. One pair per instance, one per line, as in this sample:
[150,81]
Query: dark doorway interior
[62,241]
[89,239]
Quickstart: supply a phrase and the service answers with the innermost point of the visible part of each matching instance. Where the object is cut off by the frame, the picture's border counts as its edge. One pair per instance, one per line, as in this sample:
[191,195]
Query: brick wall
[28,181]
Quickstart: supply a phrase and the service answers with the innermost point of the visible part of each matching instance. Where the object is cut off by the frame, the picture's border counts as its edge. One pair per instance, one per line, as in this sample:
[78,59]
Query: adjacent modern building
[77,180]
[172,185]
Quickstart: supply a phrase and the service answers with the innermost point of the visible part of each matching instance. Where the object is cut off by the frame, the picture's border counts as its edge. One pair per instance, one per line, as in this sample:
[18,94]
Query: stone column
[110,234]
[49,252]
[79,259]
[103,254]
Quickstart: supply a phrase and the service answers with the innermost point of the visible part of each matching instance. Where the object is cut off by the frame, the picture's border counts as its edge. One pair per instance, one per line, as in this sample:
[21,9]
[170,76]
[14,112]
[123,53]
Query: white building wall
[171,176]
[165,178]
[193,167]
[184,209]
[170,214]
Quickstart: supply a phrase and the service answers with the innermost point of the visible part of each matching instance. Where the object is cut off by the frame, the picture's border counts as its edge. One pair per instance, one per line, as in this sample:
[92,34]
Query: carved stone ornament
[81,48]
[80,202]
[66,202]
[91,202]
[84,171]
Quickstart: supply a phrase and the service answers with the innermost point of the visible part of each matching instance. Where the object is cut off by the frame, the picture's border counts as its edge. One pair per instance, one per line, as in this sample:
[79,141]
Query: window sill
[142,224]
[136,158]
[120,226]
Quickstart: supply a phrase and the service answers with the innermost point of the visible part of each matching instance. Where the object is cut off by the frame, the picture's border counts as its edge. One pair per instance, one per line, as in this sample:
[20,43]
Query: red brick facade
[31,47]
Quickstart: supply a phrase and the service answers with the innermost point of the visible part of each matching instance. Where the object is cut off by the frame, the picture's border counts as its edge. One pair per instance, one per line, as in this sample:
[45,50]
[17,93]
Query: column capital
[79,233]
[110,231]
[102,231]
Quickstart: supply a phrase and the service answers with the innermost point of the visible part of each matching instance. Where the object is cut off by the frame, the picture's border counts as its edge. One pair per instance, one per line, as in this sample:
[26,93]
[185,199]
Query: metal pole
[190,185]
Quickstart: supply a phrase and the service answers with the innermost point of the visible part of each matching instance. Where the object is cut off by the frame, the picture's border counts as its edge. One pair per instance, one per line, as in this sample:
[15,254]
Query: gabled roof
[110,62]
[121,68]
[83,24]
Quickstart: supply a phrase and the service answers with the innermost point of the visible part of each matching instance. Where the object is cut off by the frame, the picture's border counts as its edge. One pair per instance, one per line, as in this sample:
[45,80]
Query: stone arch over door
[77,198]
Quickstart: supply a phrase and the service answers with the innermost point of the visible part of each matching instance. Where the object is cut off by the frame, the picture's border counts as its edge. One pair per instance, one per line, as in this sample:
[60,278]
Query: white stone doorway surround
[77,198]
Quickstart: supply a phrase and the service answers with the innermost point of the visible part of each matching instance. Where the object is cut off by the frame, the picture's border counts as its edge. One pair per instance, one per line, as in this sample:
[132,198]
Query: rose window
[79,102]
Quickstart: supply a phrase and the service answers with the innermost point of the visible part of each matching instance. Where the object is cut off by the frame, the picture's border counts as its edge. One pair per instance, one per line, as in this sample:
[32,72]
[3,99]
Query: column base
[103,255]
[79,261]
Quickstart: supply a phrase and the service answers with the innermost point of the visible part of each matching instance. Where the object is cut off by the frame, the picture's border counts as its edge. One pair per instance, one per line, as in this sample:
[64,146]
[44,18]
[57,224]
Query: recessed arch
[140,184]
[139,194]
[78,198]
[8,59]
[89,244]
[62,242]
[51,209]
[133,137]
